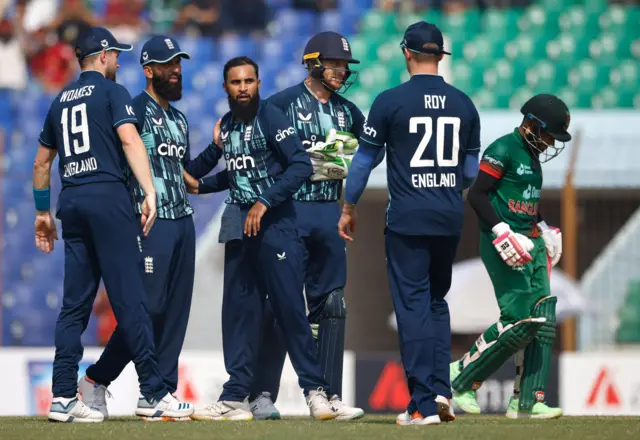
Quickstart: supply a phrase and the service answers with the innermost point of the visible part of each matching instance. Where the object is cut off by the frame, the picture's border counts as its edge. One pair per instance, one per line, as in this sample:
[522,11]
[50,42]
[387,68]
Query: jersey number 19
[441,123]
[76,128]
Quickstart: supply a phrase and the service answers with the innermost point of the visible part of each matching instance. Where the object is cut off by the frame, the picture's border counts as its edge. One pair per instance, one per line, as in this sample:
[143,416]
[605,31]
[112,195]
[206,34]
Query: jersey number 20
[81,128]
[441,122]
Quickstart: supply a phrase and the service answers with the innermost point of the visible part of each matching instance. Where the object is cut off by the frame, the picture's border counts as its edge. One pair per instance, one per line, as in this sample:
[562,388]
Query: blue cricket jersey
[81,125]
[165,134]
[312,121]
[428,127]
[265,158]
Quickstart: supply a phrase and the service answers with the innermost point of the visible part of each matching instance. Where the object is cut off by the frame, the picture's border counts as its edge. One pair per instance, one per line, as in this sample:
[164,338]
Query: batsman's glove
[552,240]
[512,247]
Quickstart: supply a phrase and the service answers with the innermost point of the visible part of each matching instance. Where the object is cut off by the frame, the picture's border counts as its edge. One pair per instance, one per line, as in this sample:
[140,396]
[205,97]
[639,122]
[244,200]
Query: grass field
[369,428]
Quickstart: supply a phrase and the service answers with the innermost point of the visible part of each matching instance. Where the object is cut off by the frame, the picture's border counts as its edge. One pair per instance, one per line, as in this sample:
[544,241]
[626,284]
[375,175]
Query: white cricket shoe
[319,406]
[404,418]
[344,411]
[168,407]
[73,410]
[225,410]
[94,395]
[445,409]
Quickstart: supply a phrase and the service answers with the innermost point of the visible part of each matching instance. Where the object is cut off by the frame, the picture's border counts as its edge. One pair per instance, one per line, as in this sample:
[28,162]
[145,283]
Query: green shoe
[466,400]
[540,410]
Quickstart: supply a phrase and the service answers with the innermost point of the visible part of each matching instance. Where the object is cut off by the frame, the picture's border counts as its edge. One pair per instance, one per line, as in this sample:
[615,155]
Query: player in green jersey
[518,250]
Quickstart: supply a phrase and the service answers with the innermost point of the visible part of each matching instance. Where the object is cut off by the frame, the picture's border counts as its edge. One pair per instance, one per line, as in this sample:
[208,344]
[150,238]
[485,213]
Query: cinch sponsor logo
[243,162]
[310,143]
[283,134]
[369,131]
[171,150]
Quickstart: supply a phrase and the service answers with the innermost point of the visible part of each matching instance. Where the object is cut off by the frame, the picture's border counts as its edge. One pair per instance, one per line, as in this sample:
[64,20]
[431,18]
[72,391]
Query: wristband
[42,197]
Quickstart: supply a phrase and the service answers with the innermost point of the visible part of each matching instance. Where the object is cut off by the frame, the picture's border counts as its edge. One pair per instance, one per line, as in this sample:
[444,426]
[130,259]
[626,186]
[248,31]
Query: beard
[110,74]
[165,89]
[244,111]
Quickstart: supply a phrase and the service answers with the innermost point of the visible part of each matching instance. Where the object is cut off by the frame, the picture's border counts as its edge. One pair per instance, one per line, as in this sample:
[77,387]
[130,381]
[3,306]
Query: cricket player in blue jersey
[431,132]
[169,251]
[92,125]
[266,165]
[314,107]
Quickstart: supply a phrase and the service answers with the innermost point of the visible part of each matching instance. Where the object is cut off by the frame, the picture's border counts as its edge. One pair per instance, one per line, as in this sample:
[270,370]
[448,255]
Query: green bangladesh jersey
[516,195]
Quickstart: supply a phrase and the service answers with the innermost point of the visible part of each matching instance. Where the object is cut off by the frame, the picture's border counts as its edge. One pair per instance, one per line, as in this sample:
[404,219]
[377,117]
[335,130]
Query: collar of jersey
[157,103]
[427,75]
[91,71]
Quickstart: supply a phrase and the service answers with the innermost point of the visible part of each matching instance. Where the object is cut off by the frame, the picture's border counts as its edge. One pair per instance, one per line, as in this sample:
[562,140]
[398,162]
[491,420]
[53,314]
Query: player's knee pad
[335,305]
[489,356]
[546,308]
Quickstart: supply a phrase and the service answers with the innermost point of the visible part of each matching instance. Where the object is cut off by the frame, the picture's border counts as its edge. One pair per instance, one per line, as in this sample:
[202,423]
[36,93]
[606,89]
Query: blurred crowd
[37,36]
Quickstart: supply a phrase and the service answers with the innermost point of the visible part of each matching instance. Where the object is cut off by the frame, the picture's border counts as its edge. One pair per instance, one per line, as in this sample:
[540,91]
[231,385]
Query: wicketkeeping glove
[552,240]
[513,248]
[331,159]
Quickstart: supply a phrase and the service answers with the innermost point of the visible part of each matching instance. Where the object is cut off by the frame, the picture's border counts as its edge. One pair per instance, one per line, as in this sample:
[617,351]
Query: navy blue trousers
[268,265]
[325,270]
[169,254]
[100,235]
[419,270]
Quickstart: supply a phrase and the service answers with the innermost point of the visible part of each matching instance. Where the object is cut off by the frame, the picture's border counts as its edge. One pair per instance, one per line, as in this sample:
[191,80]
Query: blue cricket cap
[97,39]
[161,49]
[420,35]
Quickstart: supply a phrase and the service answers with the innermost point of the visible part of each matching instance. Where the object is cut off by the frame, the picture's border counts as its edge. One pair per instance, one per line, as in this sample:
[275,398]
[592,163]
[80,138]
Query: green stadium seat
[574,98]
[527,47]
[611,46]
[403,21]
[567,47]
[625,76]
[375,78]
[497,98]
[538,19]
[360,97]
[502,73]
[378,22]
[503,22]
[606,98]
[389,51]
[546,76]
[465,77]
[483,49]
[589,76]
[519,97]
[365,48]
[595,6]
[464,25]
[578,20]
[618,17]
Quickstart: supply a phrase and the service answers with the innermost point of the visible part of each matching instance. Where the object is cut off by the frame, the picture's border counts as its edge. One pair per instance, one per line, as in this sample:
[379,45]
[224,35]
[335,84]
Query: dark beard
[244,111]
[110,75]
[166,90]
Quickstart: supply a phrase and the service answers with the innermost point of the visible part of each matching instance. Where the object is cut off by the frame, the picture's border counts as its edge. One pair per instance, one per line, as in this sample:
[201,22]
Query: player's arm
[207,159]
[512,247]
[370,152]
[45,227]
[373,137]
[471,160]
[287,145]
[356,129]
[215,183]
[136,155]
